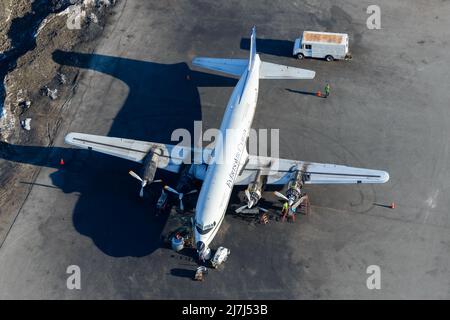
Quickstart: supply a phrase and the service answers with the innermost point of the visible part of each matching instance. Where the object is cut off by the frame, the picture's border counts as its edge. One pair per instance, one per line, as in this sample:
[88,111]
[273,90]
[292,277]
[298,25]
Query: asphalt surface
[388,110]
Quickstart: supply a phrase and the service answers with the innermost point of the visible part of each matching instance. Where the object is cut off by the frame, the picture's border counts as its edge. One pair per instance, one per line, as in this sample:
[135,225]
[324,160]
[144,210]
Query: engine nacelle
[255,189]
[151,164]
[295,186]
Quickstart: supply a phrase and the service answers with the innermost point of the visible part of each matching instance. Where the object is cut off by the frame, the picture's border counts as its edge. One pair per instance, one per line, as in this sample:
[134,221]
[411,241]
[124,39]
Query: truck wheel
[300,56]
[329,58]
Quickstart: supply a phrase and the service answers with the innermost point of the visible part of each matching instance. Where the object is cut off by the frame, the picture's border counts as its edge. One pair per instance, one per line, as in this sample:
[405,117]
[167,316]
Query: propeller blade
[239,210]
[171,190]
[141,193]
[299,202]
[159,180]
[247,194]
[262,209]
[134,175]
[192,191]
[181,204]
[280,195]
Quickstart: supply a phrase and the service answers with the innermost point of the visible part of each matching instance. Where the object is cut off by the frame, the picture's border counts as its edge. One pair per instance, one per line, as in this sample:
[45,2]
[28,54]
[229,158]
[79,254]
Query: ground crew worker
[293,213]
[327,90]
[285,207]
[284,210]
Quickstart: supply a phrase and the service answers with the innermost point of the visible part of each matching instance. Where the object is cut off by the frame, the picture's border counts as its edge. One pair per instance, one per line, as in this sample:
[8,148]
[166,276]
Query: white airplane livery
[231,164]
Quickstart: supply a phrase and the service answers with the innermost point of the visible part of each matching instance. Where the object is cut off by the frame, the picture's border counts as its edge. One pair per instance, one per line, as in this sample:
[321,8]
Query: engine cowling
[295,185]
[151,164]
[255,189]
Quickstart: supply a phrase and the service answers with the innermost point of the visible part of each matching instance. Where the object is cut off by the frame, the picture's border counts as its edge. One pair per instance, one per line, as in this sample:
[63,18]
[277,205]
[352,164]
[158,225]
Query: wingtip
[385,177]
[308,74]
[69,137]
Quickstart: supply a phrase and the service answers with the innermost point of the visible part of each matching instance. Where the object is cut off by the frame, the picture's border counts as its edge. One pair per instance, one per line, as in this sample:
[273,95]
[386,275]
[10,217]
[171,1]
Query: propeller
[299,202]
[249,199]
[250,203]
[280,195]
[180,195]
[143,182]
[290,200]
[240,209]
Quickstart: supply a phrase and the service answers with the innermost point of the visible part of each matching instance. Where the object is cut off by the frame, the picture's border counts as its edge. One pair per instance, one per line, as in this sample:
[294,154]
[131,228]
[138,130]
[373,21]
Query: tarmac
[388,110]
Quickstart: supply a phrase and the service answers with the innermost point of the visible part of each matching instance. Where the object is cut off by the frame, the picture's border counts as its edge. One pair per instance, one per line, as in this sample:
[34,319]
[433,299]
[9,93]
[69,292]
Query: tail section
[267,70]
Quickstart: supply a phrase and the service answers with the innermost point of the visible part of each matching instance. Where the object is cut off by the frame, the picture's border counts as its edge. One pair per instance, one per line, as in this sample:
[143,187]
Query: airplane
[238,167]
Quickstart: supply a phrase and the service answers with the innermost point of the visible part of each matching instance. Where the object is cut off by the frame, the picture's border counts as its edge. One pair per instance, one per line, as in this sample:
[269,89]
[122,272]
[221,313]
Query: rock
[93,18]
[53,94]
[25,104]
[26,124]
[62,78]
[106,3]
[20,96]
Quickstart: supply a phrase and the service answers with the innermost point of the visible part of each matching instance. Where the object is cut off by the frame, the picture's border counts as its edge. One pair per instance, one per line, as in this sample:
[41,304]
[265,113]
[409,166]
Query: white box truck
[325,45]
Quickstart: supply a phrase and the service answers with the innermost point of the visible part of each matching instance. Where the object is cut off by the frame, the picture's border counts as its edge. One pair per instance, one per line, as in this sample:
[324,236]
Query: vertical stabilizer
[252,48]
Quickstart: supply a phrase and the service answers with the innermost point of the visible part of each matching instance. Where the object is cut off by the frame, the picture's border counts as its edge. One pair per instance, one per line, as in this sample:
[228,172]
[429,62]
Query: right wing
[171,158]
[280,171]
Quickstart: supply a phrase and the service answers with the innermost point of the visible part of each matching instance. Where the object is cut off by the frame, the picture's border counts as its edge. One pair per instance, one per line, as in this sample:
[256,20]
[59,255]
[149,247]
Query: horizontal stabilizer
[235,67]
[277,71]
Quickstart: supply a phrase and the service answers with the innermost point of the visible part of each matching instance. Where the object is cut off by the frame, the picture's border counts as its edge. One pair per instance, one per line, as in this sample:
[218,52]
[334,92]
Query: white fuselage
[230,156]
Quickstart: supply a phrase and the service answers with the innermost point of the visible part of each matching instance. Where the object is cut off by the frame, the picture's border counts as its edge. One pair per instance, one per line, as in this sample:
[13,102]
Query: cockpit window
[204,229]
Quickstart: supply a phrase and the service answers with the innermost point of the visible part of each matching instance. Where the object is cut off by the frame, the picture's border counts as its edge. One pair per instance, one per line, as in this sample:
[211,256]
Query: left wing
[280,171]
[171,157]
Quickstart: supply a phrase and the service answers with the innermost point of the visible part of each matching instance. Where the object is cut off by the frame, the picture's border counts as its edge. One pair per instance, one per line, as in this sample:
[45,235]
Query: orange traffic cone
[319,94]
[61,162]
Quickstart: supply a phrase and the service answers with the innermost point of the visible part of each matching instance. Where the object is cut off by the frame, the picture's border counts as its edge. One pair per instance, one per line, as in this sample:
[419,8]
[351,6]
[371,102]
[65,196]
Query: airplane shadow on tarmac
[162,98]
